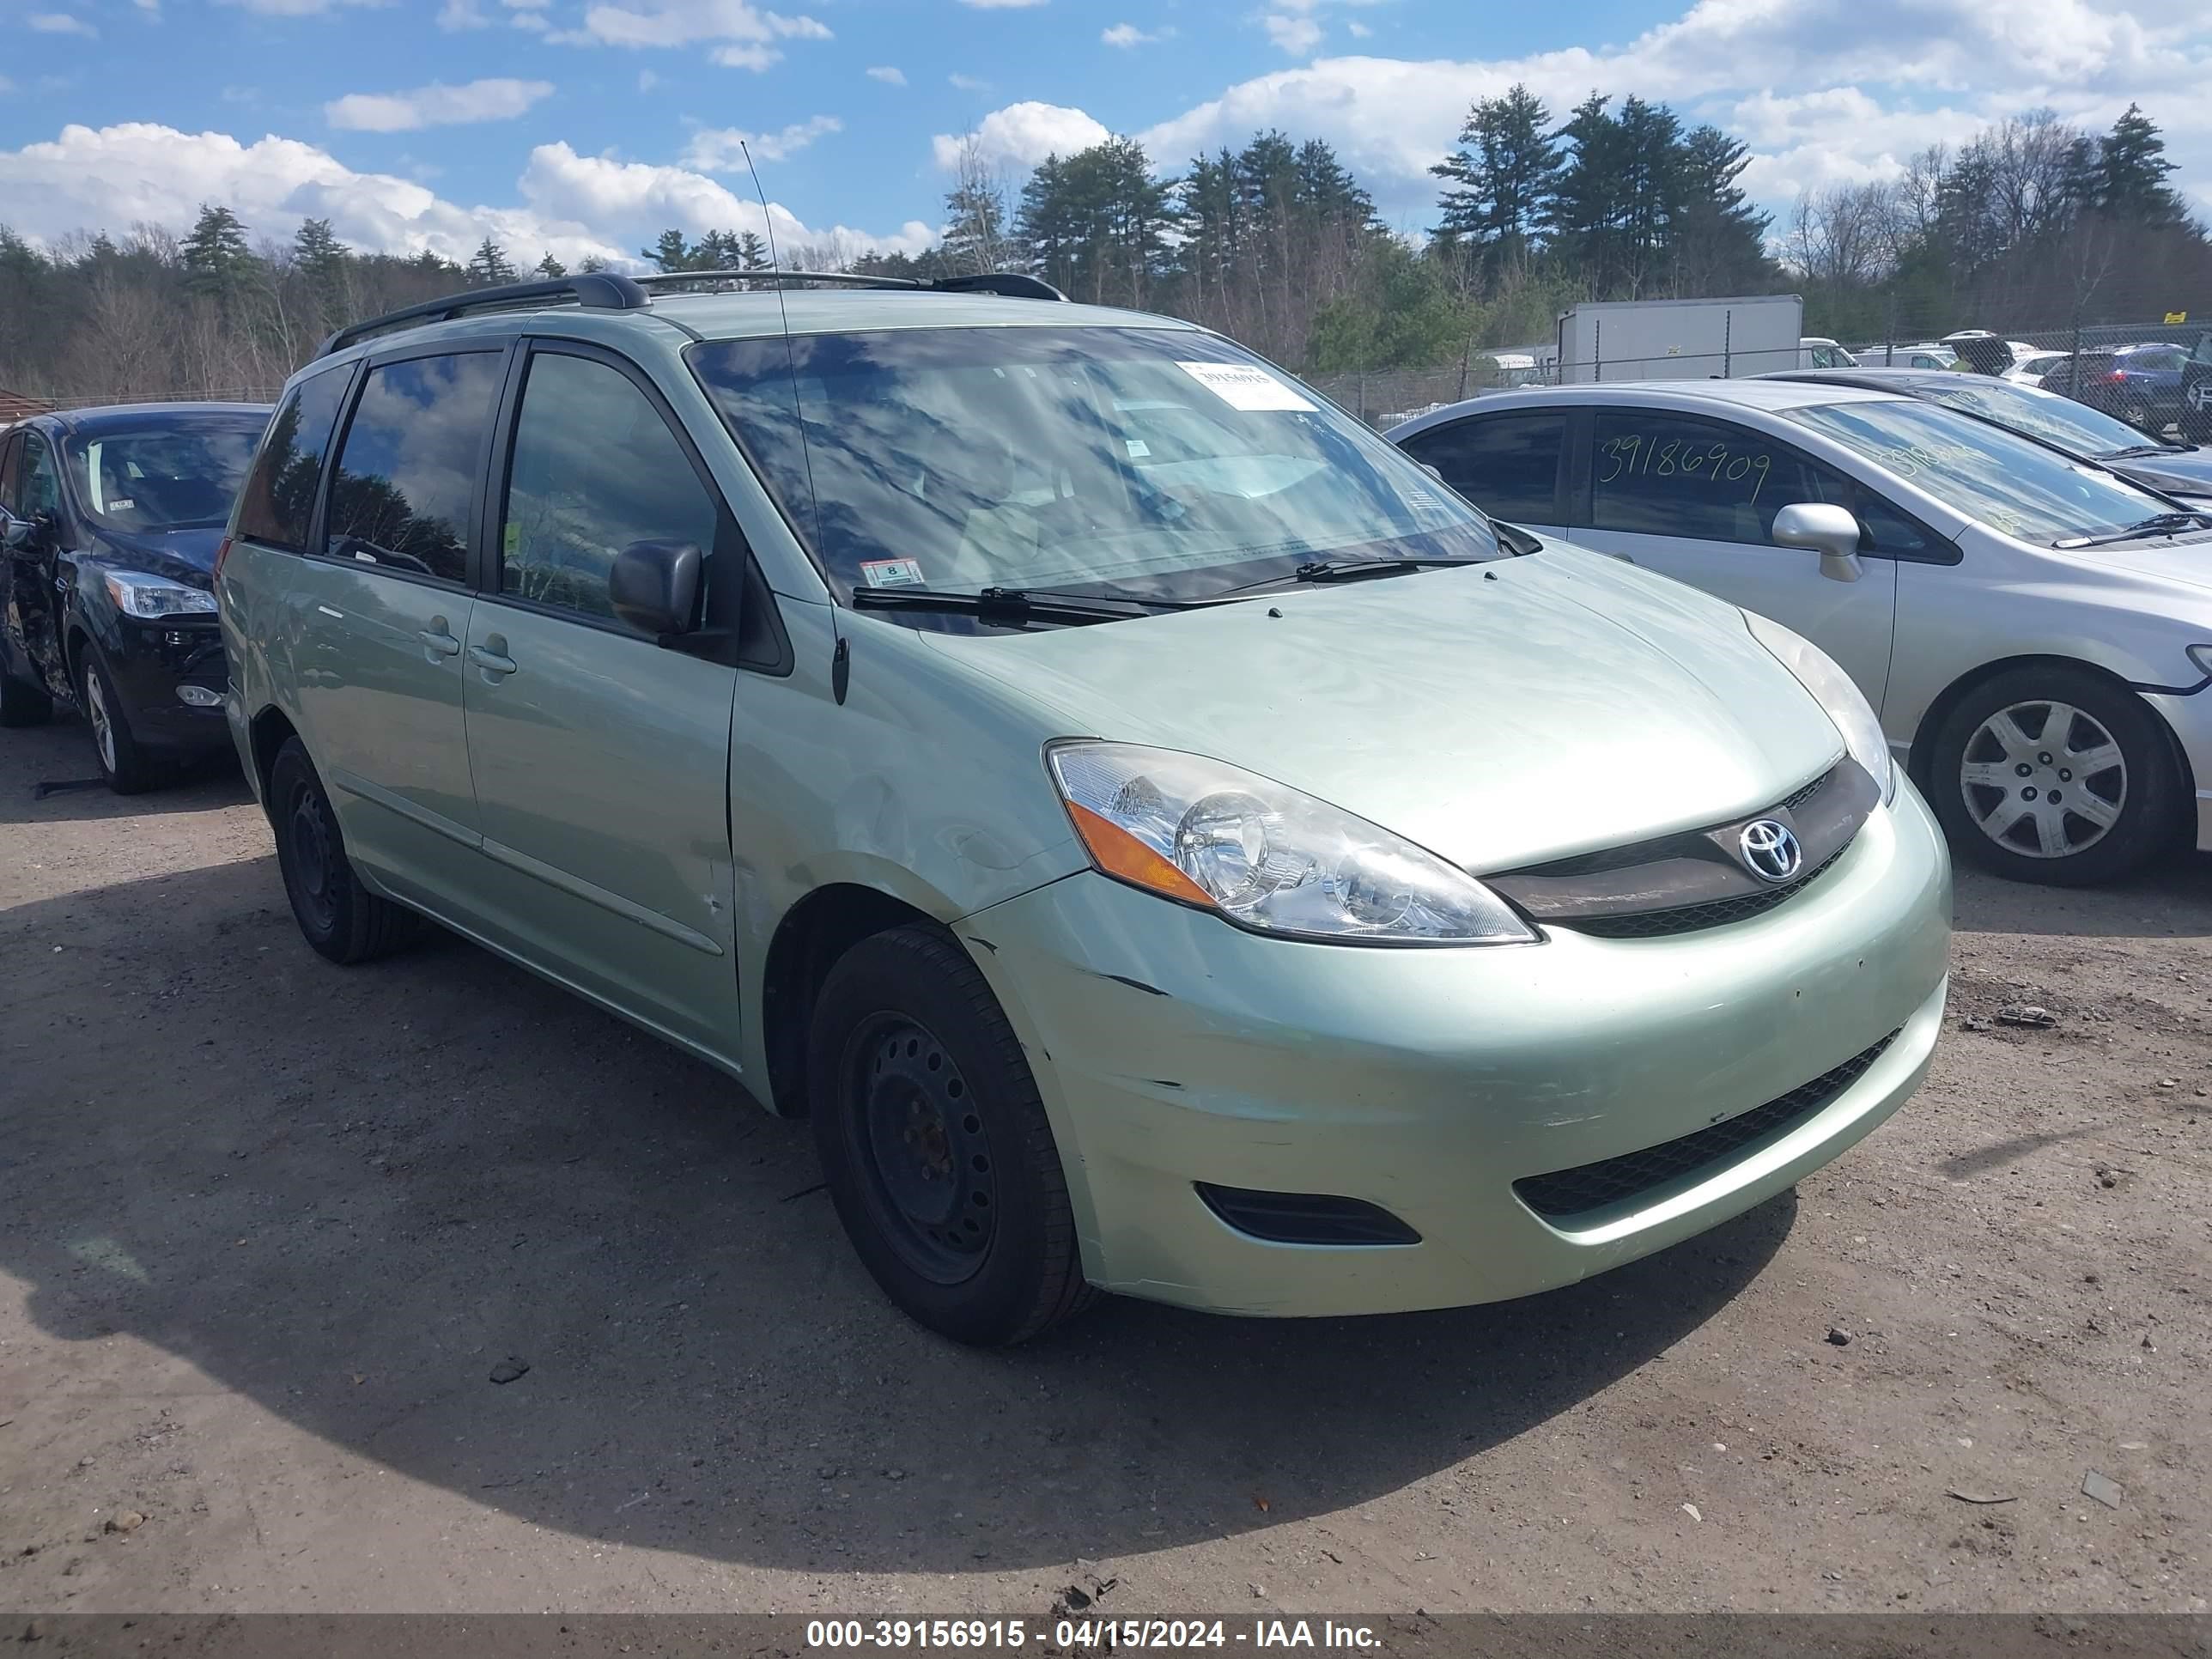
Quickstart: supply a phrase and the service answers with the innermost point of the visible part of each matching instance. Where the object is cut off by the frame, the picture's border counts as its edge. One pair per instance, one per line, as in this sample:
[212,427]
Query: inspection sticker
[1242,386]
[891,573]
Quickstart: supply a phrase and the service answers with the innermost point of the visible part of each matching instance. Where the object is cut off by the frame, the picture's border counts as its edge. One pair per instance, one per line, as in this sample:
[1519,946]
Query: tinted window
[1505,463]
[279,497]
[406,473]
[595,469]
[1658,474]
[38,489]
[11,452]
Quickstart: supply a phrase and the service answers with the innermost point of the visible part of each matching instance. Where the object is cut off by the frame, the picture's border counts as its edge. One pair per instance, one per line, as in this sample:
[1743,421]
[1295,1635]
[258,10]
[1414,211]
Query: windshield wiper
[2159,524]
[1017,607]
[2134,451]
[1353,570]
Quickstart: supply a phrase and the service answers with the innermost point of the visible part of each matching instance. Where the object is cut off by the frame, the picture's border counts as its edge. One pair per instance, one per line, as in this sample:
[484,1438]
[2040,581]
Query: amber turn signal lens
[1118,853]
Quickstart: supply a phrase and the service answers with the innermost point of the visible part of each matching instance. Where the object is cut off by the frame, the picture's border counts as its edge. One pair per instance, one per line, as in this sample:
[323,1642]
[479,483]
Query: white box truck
[1679,339]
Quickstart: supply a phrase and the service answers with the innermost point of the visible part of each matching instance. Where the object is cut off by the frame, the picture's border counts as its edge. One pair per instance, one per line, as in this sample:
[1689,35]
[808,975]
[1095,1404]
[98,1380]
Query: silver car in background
[2035,630]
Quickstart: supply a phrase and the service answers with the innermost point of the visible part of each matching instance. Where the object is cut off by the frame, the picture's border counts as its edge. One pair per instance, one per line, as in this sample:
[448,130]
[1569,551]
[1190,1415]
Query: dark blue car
[109,523]
[2145,385]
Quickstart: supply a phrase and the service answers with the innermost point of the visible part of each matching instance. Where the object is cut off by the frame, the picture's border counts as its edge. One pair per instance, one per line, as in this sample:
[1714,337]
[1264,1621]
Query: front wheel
[2054,776]
[124,763]
[934,1145]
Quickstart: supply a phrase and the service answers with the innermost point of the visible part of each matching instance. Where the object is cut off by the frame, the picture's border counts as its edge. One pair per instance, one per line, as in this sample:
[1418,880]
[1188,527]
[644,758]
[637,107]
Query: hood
[2188,473]
[1500,716]
[2175,574]
[185,555]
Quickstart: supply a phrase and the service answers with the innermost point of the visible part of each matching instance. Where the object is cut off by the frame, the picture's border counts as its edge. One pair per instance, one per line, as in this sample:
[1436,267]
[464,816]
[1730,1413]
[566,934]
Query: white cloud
[295,8]
[576,207]
[967,84]
[1021,135]
[1128,34]
[1295,33]
[751,33]
[62,22]
[890,73]
[435,105]
[647,80]
[1928,69]
[716,149]
[457,15]
[1001,5]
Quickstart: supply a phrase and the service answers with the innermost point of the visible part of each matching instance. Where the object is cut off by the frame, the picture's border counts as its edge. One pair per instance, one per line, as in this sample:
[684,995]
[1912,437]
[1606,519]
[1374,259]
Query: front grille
[1598,1186]
[1658,924]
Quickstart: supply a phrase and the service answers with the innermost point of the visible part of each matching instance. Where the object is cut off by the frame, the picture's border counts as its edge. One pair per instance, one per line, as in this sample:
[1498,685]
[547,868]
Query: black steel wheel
[934,1144]
[337,916]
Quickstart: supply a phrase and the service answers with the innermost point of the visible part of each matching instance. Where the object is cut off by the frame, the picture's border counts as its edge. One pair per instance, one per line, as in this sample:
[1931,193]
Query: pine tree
[488,266]
[1719,244]
[2130,173]
[217,259]
[551,269]
[976,231]
[1507,167]
[670,253]
[752,251]
[1583,218]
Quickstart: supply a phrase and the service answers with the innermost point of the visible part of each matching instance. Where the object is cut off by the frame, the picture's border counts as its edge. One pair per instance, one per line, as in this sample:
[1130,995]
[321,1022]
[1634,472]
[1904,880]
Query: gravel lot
[268,1228]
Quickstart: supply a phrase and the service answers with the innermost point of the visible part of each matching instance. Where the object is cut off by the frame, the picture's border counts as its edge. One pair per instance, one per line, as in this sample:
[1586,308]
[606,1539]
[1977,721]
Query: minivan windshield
[2008,482]
[1143,463]
[180,475]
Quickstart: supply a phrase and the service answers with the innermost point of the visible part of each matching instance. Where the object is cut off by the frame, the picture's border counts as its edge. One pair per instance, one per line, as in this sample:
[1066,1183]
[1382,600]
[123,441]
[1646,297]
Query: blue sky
[583,126]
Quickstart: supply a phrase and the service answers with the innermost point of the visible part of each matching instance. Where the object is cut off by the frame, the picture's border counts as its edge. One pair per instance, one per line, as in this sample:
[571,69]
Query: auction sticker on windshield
[1242,386]
[891,573]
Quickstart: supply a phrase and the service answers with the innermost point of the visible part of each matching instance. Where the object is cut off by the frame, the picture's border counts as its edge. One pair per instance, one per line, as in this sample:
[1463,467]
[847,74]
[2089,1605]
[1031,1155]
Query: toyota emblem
[1770,850]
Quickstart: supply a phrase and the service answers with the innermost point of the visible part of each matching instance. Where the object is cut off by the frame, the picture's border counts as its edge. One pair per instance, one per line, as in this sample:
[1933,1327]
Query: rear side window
[279,496]
[595,469]
[1506,465]
[405,485]
[11,456]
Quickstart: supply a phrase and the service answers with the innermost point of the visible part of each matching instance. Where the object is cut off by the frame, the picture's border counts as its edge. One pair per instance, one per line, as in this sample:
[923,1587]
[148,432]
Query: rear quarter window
[278,499]
[1506,465]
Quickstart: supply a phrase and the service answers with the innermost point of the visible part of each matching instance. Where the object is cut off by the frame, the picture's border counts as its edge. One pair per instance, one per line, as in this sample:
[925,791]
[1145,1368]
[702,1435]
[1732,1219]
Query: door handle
[437,640]
[496,665]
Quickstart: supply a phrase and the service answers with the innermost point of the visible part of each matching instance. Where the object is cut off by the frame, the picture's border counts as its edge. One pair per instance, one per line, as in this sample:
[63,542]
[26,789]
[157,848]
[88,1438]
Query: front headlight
[1845,704]
[152,598]
[1264,856]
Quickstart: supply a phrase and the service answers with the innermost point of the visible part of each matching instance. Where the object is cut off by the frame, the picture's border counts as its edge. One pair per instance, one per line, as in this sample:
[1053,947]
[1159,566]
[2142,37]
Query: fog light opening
[199,697]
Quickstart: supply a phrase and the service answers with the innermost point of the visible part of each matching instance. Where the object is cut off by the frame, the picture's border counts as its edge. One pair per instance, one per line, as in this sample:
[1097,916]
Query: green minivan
[1166,842]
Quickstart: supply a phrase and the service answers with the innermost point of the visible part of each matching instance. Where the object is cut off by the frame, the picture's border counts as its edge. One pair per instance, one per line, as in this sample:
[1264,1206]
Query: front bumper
[2190,719]
[148,661]
[1171,1047]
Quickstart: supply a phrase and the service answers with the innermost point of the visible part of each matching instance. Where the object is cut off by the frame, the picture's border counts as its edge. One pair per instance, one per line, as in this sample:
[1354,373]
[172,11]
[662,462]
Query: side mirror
[654,586]
[1828,531]
[15,531]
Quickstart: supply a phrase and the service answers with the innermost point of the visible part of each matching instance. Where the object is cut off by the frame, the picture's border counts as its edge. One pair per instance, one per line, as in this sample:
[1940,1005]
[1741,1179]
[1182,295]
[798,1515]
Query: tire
[338,916]
[915,1078]
[22,704]
[127,766]
[1994,791]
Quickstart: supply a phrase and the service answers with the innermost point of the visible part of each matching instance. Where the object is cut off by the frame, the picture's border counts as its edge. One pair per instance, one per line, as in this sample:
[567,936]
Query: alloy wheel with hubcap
[2054,772]
[2043,779]
[122,763]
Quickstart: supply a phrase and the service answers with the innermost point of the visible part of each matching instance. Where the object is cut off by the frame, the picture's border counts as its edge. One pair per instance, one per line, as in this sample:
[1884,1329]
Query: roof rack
[1013,283]
[603,290]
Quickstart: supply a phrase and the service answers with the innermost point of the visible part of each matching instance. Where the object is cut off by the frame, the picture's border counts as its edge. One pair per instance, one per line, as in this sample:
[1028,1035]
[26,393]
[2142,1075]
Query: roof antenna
[842,660]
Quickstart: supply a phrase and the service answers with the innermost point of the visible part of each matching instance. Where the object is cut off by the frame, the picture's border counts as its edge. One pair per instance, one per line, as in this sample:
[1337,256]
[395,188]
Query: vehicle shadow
[349,1195]
[59,755]
[2173,895]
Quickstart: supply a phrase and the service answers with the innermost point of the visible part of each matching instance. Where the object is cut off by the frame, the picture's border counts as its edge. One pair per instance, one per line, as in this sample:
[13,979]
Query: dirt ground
[267,1228]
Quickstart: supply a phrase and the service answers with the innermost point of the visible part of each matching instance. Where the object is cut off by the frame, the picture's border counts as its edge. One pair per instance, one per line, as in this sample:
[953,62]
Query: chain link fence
[1383,398]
